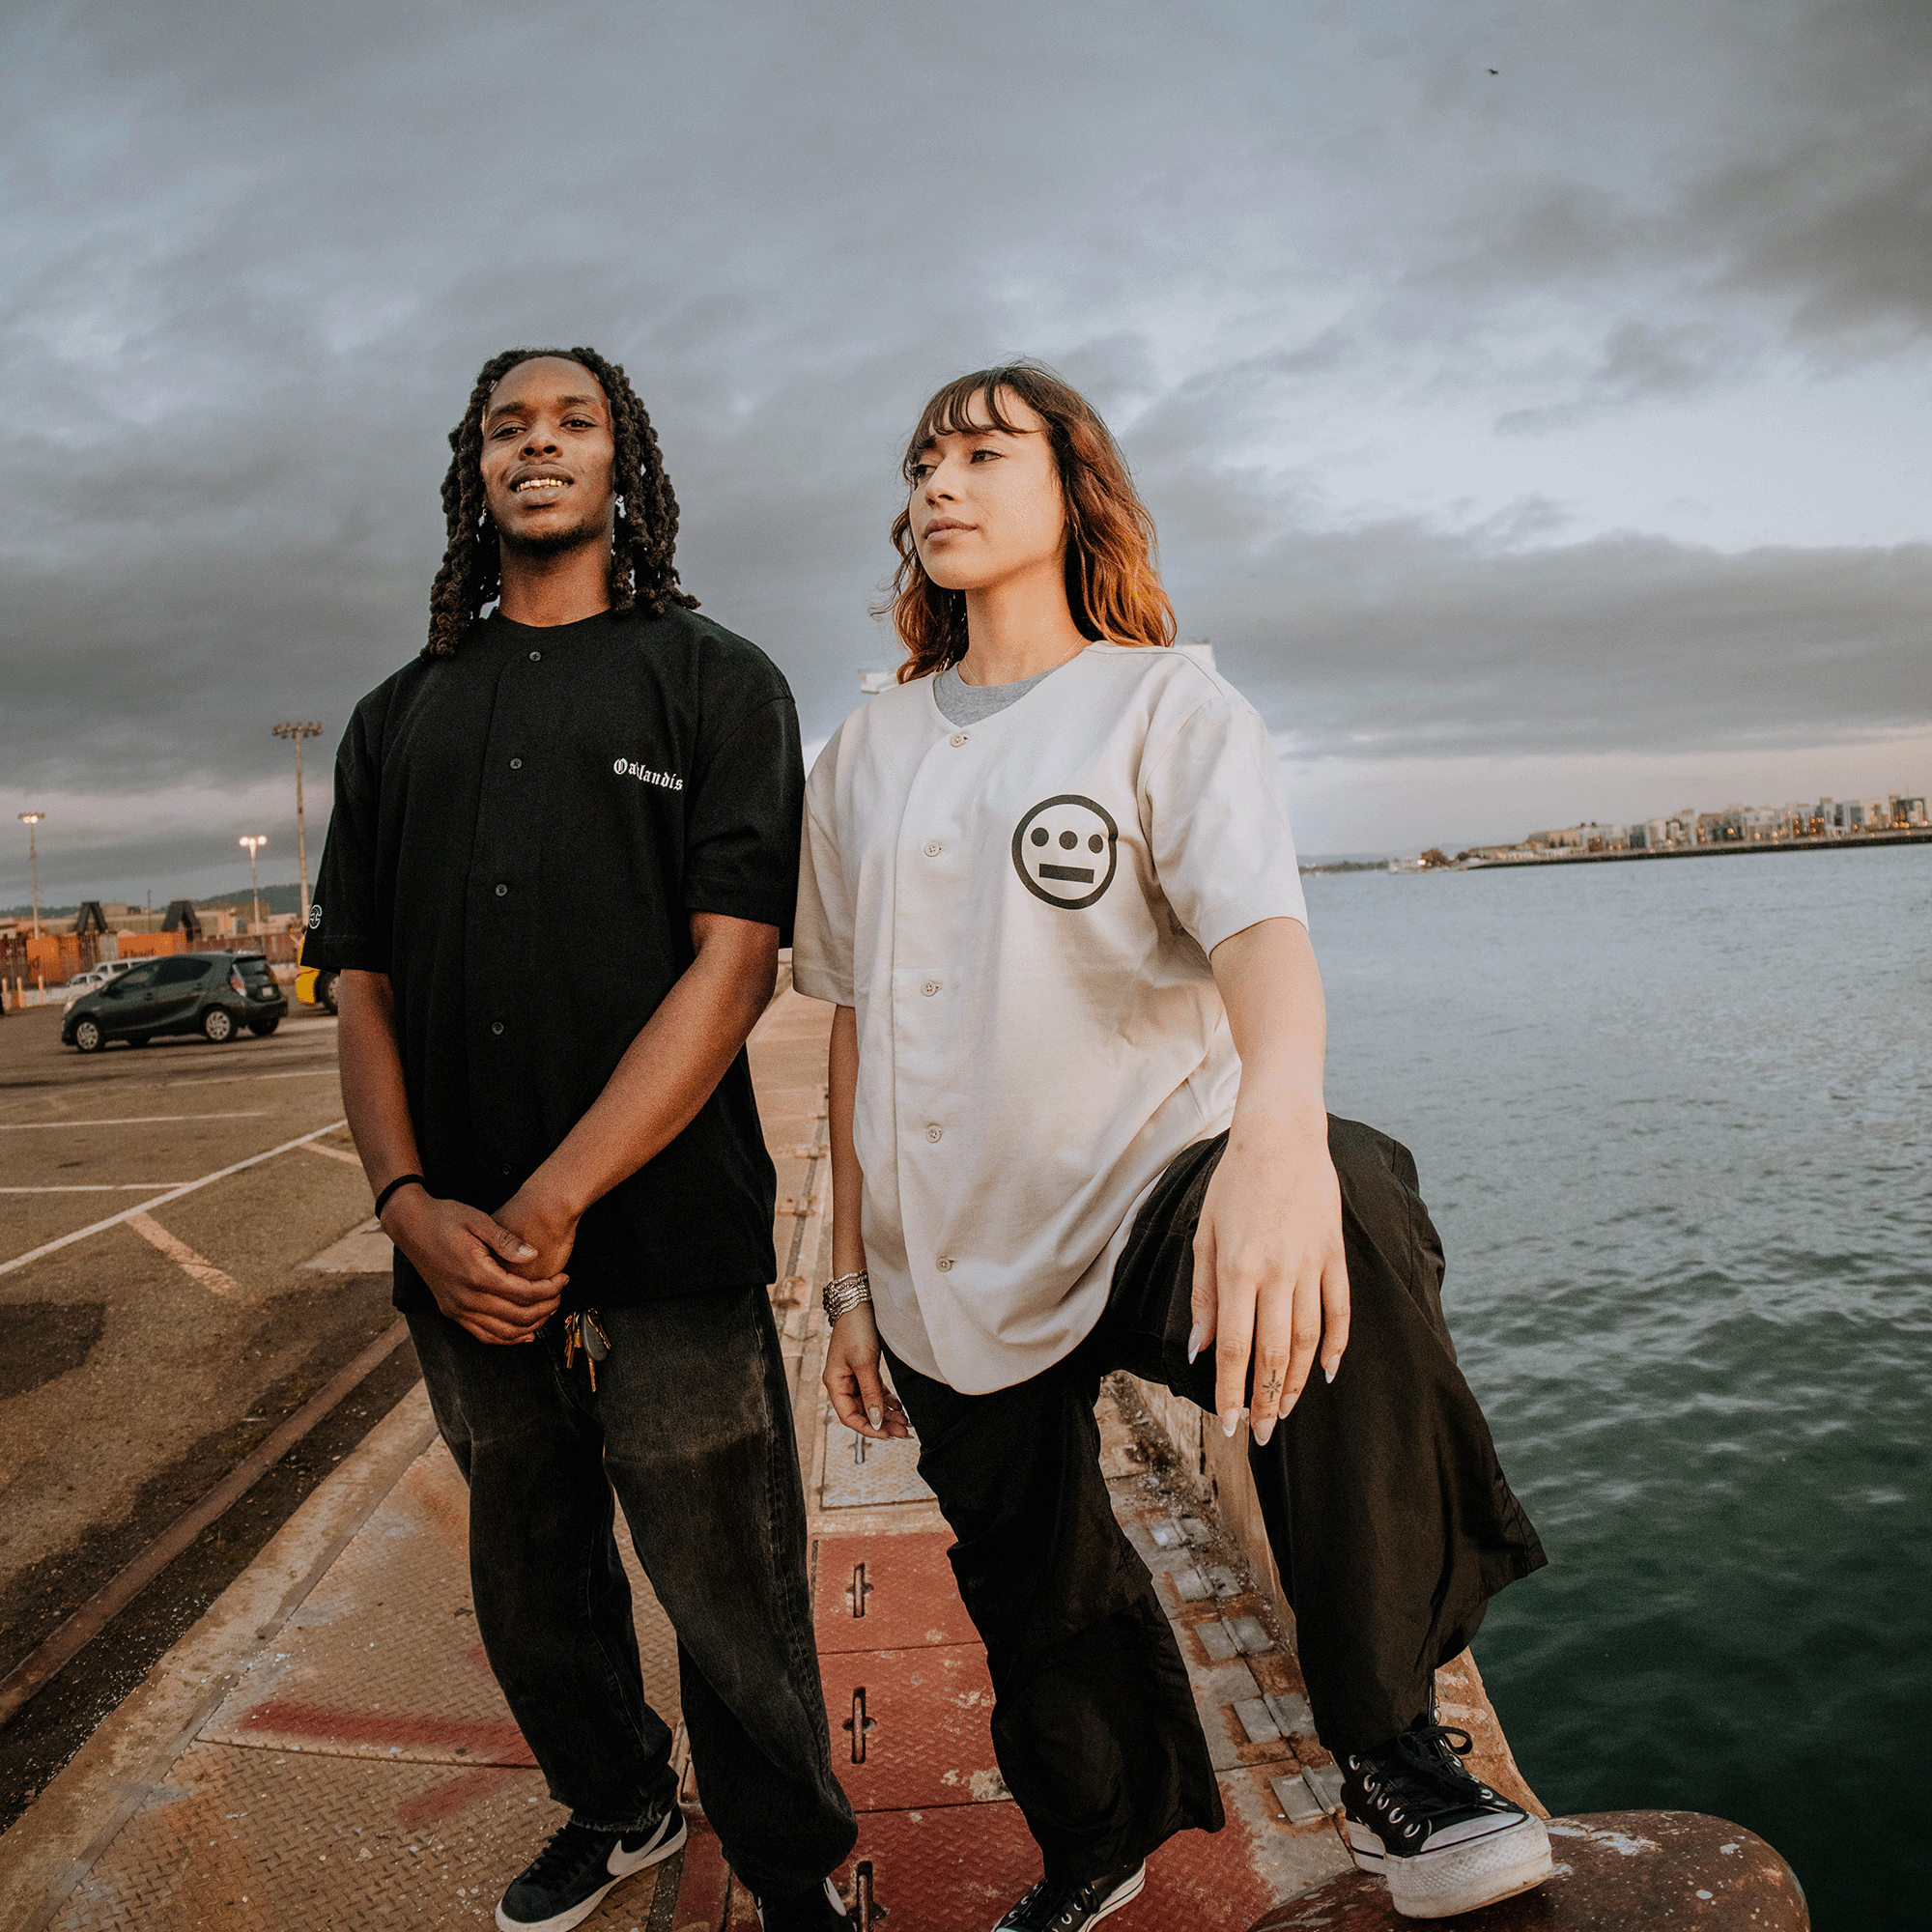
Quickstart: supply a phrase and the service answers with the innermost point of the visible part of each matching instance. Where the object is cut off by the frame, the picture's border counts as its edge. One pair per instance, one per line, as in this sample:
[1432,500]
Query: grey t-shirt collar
[964,703]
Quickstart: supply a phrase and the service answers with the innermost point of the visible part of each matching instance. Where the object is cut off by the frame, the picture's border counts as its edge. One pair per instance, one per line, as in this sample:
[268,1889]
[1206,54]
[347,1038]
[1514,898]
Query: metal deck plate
[859,1471]
[903,1584]
[926,1714]
[383,1660]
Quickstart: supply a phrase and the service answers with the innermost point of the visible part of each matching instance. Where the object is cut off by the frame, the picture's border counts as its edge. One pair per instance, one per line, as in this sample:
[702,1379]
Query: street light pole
[253,846]
[298,732]
[30,819]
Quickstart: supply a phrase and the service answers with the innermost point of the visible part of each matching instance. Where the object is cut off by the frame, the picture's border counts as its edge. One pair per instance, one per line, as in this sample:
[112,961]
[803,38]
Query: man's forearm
[670,1070]
[370,1065]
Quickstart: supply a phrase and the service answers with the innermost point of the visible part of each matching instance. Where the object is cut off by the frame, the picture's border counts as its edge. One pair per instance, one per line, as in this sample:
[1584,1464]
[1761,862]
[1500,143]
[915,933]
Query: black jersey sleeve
[348,922]
[740,855]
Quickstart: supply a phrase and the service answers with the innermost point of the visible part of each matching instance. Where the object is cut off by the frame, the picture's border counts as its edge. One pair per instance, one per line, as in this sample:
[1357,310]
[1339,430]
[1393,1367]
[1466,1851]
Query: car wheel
[87,1037]
[217,1024]
[324,991]
[262,1029]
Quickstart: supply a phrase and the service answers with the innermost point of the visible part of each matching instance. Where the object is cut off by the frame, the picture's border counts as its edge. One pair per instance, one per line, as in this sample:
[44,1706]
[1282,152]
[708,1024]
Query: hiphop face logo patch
[1066,849]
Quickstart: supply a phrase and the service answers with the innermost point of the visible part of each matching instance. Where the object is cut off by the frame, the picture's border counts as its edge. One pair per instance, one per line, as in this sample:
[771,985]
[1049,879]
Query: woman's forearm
[848,1183]
[1271,989]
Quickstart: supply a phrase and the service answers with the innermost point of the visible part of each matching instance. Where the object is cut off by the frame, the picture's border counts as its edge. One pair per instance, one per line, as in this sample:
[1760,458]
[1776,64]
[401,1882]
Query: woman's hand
[1270,1277]
[858,1397]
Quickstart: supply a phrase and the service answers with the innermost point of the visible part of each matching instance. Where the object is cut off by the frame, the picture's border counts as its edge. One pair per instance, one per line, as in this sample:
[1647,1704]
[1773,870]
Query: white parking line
[131,1121]
[161,1200]
[337,1154]
[195,1266]
[97,1187]
[219,1079]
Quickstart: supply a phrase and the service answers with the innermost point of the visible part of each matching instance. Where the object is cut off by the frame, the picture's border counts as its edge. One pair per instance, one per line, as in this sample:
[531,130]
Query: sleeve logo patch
[315,916]
[627,768]
[1066,850]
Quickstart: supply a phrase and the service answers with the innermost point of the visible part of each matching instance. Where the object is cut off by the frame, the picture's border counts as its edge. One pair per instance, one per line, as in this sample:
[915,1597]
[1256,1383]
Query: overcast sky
[1535,443]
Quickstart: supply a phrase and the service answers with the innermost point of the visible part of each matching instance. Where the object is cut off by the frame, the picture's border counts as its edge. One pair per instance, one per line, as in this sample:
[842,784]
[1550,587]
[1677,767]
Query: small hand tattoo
[1273,1388]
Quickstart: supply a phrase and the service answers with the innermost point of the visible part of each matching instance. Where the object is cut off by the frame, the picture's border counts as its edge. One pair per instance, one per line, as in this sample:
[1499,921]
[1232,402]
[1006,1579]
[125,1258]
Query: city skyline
[1533,401]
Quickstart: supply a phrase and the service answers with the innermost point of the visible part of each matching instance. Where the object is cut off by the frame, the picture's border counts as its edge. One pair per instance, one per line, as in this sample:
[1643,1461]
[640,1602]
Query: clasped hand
[500,1277]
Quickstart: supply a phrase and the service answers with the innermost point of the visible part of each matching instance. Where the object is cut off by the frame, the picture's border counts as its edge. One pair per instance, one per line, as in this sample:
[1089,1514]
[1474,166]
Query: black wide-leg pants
[1386,1510]
[690,1425]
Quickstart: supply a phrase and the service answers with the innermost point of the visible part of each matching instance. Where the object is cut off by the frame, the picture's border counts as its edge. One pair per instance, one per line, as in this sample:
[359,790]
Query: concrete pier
[326,1748]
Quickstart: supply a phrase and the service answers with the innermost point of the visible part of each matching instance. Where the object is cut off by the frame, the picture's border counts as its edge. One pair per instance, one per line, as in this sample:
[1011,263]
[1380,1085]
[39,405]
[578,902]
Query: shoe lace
[1041,1905]
[1422,1773]
[570,1846]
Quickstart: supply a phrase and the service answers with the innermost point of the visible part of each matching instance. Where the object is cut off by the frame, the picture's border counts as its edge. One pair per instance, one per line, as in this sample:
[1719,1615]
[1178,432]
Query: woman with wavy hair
[1077,1126]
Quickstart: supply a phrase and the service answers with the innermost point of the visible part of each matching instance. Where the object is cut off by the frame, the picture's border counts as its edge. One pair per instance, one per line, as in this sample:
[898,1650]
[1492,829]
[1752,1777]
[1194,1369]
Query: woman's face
[987,505]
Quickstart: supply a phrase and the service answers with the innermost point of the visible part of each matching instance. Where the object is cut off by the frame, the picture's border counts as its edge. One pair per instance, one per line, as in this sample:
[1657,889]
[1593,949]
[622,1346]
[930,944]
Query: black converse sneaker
[563,1885]
[1443,1842]
[818,1908]
[1059,1905]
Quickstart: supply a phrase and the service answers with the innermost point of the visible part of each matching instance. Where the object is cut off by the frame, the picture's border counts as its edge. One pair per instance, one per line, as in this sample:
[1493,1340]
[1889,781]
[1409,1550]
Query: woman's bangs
[953,409]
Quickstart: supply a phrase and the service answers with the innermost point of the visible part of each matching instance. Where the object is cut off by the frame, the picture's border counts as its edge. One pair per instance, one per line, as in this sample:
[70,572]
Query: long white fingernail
[1194,1335]
[1231,1420]
[1263,1431]
[873,1416]
[1329,1371]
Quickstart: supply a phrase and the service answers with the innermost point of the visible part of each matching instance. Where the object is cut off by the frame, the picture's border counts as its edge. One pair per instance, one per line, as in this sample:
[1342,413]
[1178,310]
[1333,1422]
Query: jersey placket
[930,880]
[502,904]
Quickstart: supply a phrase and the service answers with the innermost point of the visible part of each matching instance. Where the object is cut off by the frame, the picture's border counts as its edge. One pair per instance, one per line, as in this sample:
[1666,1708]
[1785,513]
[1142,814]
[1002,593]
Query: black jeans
[691,1424]
[1385,1506]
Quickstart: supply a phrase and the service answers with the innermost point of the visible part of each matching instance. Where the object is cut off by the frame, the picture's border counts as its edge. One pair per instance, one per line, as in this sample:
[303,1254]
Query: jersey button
[537,657]
[503,892]
[496,1026]
[930,988]
[935,1133]
[957,738]
[515,764]
[945,1262]
[932,848]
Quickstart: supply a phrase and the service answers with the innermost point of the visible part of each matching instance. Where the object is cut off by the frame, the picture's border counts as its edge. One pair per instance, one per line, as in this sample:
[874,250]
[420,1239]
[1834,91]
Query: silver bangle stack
[847,1292]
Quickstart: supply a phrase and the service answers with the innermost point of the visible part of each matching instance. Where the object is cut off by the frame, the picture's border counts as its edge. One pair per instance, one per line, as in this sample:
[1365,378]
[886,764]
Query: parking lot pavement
[159,1320]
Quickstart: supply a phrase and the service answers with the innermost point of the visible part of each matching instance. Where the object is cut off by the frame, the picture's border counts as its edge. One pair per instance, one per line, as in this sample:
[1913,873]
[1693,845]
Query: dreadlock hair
[643,575]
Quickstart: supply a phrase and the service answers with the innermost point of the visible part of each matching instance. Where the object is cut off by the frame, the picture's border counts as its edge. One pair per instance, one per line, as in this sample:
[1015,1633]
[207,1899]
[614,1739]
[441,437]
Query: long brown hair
[1113,588]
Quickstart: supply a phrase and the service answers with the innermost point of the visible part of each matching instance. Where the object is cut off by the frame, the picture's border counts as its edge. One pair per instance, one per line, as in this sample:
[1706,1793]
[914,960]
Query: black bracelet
[401,1181]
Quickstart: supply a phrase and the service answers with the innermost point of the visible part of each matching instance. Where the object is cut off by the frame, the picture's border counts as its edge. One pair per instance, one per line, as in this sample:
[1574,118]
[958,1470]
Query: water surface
[1672,1118]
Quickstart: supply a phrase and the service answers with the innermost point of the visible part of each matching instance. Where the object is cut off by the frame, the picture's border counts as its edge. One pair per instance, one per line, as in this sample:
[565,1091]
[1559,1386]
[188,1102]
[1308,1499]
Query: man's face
[547,453]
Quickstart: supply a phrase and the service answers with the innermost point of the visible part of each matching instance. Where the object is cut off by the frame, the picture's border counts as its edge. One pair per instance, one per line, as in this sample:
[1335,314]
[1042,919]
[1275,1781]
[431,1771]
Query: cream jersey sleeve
[822,933]
[1216,816]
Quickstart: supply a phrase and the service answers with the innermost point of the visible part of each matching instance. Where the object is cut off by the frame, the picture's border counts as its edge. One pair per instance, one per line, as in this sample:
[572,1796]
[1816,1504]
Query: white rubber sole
[624,1865]
[1460,1877]
[832,1894]
[1125,1895]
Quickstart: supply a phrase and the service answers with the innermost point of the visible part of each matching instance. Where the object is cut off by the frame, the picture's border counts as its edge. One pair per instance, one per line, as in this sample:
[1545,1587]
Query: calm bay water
[1673,1120]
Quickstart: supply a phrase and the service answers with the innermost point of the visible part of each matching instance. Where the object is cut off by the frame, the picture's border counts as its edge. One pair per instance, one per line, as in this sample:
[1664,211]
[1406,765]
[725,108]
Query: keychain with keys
[584,1331]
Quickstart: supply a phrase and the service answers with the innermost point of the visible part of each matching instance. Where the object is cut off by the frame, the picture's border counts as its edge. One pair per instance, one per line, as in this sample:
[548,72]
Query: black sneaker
[564,1884]
[1056,1905]
[1443,1842]
[814,1911]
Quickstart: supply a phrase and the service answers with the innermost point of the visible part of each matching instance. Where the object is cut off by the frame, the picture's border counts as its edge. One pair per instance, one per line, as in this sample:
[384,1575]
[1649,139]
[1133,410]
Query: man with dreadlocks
[572,1170]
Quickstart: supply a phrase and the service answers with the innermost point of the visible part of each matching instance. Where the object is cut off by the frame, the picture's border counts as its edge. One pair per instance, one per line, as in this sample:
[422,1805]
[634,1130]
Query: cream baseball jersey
[1021,911]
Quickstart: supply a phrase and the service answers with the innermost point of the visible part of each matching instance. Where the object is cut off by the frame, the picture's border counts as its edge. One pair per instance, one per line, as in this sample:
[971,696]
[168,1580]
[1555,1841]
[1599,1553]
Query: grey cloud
[257,259]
